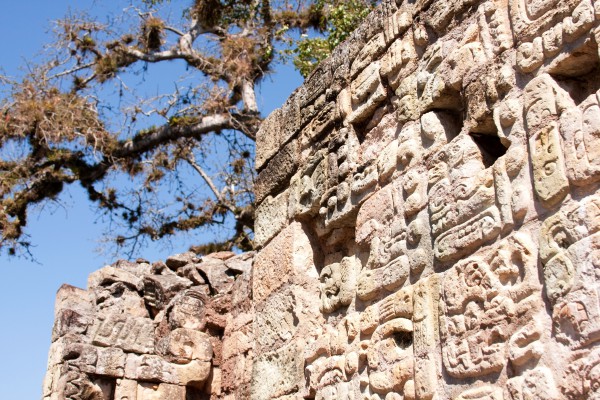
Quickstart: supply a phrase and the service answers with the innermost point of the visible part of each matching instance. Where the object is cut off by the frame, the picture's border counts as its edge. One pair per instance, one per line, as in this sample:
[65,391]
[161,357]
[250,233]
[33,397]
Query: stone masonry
[180,330]
[428,225]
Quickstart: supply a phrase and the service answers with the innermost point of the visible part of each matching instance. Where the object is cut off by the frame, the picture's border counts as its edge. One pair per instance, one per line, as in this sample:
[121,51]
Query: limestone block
[271,217]
[131,334]
[177,261]
[288,258]
[277,173]
[126,389]
[396,24]
[71,322]
[159,391]
[549,175]
[579,131]
[111,362]
[580,21]
[269,138]
[155,369]
[241,263]
[236,344]
[109,275]
[338,284]
[183,345]
[322,123]
[276,320]
[568,243]
[316,83]
[71,297]
[277,373]
[367,93]
[478,296]
[217,274]
[399,61]
[188,310]
[308,186]
[497,25]
[370,51]
[160,289]
[51,379]
[531,17]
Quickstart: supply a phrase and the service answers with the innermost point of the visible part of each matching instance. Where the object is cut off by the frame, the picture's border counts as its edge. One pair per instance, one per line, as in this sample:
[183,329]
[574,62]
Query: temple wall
[428,226]
[428,210]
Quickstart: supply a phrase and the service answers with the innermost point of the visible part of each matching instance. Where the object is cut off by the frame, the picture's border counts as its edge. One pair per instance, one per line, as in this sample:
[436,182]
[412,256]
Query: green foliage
[338,20]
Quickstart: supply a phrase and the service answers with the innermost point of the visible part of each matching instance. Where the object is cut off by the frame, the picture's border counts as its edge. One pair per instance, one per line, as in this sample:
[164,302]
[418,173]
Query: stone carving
[427,226]
[367,92]
[482,300]
[569,253]
[337,284]
[178,347]
[463,205]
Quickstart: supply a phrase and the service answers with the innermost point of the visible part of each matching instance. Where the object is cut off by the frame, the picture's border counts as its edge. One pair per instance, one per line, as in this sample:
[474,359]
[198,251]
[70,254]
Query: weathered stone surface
[271,217]
[428,226]
[456,235]
[165,345]
[276,174]
[287,259]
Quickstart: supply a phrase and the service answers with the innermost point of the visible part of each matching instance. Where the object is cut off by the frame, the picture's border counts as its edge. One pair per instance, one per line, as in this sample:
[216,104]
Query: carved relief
[483,298]
[127,333]
[462,206]
[309,187]
[336,203]
[446,184]
[569,244]
[390,358]
[338,284]
[581,137]
[367,93]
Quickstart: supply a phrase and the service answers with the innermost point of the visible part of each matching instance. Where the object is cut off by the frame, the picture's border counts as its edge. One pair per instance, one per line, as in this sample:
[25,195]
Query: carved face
[503,266]
[331,282]
[188,311]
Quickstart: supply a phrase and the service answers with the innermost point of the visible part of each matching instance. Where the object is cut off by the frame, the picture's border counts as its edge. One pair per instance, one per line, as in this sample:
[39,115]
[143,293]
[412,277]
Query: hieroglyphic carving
[581,138]
[336,203]
[483,299]
[569,248]
[463,205]
[390,358]
[435,152]
[128,333]
[367,93]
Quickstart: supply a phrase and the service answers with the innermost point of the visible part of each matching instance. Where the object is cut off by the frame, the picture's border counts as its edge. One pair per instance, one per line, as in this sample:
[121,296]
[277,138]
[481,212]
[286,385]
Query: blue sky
[65,236]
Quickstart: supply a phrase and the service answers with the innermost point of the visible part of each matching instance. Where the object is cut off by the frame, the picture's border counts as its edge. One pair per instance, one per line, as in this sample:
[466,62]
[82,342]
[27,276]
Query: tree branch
[166,133]
[190,160]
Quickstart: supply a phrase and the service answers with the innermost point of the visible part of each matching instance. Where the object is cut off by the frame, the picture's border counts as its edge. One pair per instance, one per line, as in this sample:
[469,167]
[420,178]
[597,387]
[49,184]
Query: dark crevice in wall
[579,72]
[490,146]
[192,393]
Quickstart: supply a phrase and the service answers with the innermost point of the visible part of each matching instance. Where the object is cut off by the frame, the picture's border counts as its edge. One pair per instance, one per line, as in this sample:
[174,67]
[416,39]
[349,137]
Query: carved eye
[549,168]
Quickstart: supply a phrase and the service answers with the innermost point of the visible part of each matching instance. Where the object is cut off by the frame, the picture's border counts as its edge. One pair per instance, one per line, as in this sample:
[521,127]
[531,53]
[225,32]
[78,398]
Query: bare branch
[191,160]
[167,133]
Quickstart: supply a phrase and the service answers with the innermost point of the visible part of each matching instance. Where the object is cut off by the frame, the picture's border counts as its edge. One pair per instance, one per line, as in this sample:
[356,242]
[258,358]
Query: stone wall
[428,210]
[180,330]
[428,223]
